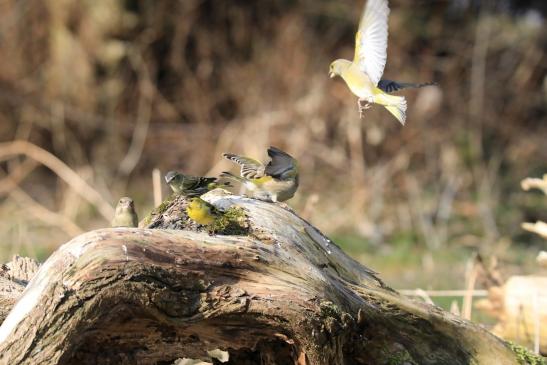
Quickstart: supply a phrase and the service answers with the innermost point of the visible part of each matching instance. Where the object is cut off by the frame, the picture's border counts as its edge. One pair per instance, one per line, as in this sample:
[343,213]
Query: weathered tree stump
[277,293]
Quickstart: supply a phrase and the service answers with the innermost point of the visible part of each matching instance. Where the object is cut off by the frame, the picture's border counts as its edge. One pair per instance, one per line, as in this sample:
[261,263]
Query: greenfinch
[191,185]
[125,215]
[275,182]
[363,74]
[201,211]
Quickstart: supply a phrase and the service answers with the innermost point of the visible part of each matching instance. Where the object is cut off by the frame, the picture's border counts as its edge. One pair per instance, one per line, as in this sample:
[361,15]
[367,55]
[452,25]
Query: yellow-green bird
[363,74]
[275,182]
[191,185]
[201,211]
[125,215]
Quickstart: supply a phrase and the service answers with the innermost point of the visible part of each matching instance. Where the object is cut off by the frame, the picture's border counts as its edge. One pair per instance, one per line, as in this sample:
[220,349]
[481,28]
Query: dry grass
[115,89]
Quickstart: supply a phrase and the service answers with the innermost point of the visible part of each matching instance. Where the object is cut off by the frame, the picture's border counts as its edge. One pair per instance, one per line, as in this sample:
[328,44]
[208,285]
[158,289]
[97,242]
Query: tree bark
[278,292]
[14,277]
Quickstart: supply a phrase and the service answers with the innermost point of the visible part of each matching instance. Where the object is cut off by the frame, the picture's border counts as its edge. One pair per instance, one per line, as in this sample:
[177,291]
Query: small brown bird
[125,215]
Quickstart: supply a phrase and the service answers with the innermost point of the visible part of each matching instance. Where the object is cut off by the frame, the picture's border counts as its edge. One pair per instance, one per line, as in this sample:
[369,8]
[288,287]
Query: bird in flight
[363,74]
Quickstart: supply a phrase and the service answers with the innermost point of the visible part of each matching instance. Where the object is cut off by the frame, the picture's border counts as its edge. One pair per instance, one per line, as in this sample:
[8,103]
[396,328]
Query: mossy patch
[329,309]
[401,357]
[233,221]
[524,356]
[157,211]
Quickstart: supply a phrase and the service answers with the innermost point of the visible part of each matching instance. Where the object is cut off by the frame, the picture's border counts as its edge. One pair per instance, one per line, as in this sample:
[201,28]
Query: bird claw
[363,107]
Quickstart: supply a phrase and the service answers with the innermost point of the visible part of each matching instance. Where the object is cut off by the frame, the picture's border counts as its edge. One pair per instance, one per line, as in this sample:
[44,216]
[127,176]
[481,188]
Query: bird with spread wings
[363,74]
[275,182]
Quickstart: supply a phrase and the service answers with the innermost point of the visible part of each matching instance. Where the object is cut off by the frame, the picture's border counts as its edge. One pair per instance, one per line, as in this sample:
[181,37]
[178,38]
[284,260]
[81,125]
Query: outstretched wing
[390,86]
[282,164]
[371,40]
[250,168]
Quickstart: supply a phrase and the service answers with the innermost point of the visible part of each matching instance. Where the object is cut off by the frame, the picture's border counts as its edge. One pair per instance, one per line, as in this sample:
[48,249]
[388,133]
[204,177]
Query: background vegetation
[117,88]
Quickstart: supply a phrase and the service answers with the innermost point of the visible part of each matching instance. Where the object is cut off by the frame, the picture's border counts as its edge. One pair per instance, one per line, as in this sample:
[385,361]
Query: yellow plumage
[201,212]
[363,74]
[275,182]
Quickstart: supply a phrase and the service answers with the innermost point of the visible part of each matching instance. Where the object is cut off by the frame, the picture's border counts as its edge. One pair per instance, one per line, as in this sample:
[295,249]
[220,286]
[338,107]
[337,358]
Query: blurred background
[98,93]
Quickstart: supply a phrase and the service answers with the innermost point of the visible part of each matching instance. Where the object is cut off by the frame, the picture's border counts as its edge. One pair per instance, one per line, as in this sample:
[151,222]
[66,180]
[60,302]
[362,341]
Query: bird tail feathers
[396,105]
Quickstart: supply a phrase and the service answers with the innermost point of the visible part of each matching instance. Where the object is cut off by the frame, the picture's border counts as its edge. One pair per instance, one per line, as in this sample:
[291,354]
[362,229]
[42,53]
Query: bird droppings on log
[179,293]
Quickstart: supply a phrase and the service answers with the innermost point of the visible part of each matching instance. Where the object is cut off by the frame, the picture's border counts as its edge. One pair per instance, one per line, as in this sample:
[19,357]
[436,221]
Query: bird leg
[363,107]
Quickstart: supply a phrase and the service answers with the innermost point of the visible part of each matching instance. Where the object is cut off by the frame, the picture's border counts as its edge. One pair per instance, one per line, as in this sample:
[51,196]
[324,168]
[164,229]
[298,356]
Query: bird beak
[331,74]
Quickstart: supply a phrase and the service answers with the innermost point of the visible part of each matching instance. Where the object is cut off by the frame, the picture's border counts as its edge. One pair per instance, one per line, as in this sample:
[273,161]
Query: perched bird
[125,215]
[201,211]
[363,74]
[191,185]
[275,182]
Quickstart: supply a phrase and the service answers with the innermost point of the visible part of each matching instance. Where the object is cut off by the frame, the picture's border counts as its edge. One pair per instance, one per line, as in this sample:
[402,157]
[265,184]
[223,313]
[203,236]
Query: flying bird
[363,74]
[125,215]
[275,182]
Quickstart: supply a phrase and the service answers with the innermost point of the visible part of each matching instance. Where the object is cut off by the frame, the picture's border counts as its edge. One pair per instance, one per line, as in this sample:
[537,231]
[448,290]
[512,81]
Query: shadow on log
[281,293]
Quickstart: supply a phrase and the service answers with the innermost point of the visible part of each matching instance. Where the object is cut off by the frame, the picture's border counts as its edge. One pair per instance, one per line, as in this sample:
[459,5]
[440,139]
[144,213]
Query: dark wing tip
[388,85]
[272,151]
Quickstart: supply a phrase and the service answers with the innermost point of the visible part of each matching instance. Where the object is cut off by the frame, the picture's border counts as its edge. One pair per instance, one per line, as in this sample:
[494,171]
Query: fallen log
[267,287]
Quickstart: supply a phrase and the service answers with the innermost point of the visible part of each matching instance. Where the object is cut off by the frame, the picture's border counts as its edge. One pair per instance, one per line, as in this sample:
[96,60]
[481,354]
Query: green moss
[401,357]
[329,309]
[231,222]
[524,356]
[157,211]
[163,206]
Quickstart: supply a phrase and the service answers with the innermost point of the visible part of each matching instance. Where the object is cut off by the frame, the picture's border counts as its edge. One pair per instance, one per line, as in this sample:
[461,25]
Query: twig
[156,185]
[44,214]
[454,308]
[357,166]
[539,228]
[422,294]
[444,293]
[144,111]
[542,258]
[14,148]
[311,202]
[537,322]
[535,183]
[424,221]
[18,174]
[467,305]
